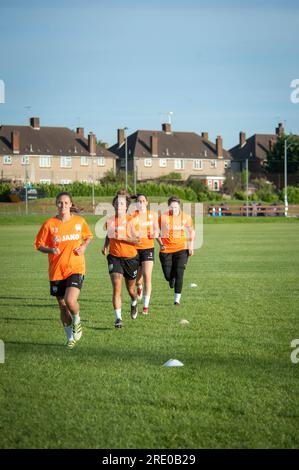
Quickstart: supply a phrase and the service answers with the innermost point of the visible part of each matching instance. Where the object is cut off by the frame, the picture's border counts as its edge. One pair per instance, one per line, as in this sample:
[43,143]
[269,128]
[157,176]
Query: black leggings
[173,265]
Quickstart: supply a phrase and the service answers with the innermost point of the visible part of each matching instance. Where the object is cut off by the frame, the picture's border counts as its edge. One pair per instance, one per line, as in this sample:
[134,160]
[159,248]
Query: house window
[179,164]
[45,162]
[197,164]
[65,162]
[84,161]
[147,162]
[7,160]
[25,160]
[43,181]
[216,185]
[65,181]
[101,161]
[210,183]
[227,164]
[163,162]
[213,164]
[122,163]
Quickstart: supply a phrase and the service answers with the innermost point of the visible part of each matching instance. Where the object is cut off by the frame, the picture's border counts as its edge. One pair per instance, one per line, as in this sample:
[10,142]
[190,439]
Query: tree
[232,183]
[275,159]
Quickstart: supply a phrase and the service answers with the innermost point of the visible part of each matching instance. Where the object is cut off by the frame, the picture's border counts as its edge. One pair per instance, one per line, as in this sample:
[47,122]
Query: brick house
[158,153]
[51,154]
[254,149]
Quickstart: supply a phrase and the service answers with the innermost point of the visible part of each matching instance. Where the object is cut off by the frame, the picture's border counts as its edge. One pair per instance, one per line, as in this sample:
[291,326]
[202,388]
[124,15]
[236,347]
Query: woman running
[65,238]
[122,259]
[149,230]
[177,236]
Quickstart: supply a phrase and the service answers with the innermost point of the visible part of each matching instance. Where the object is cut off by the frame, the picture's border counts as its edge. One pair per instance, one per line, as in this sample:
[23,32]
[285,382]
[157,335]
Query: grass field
[237,389]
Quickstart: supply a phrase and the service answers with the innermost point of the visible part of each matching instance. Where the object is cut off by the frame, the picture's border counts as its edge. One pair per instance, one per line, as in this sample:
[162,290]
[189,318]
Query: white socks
[177,298]
[117,312]
[69,332]
[76,318]
[134,303]
[146,300]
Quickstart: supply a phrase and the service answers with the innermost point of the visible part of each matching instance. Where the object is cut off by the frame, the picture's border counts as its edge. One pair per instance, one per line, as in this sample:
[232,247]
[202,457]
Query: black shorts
[58,288]
[128,267]
[148,254]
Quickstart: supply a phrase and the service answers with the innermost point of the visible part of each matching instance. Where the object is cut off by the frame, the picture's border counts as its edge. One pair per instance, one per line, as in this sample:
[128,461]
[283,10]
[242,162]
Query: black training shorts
[128,267]
[148,254]
[58,288]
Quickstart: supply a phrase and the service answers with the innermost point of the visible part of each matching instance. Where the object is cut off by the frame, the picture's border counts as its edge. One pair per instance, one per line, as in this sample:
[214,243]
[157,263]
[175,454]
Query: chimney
[242,138]
[120,137]
[166,127]
[15,141]
[154,145]
[80,131]
[219,148]
[34,123]
[205,135]
[92,144]
[280,129]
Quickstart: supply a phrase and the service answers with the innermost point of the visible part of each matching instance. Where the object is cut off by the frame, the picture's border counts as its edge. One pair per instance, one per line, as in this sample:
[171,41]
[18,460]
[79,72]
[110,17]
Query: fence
[252,210]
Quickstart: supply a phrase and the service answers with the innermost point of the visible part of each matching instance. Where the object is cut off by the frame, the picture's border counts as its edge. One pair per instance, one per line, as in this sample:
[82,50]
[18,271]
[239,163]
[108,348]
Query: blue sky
[219,66]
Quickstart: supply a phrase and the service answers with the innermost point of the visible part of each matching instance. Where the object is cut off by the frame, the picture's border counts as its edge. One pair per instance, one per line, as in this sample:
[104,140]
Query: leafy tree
[275,158]
[232,183]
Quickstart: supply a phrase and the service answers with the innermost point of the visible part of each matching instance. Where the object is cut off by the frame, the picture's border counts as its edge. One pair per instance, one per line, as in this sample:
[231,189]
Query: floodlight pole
[246,187]
[286,204]
[126,157]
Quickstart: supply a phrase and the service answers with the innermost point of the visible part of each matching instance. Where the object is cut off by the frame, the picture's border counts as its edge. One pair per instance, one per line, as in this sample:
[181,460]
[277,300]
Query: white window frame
[44,161]
[227,163]
[210,183]
[45,181]
[163,163]
[148,162]
[179,164]
[84,161]
[25,159]
[122,164]
[197,164]
[213,163]
[101,161]
[65,181]
[65,162]
[7,159]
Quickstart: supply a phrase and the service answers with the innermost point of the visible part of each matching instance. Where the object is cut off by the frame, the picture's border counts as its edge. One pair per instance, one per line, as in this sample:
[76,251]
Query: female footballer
[149,230]
[177,236]
[64,239]
[121,239]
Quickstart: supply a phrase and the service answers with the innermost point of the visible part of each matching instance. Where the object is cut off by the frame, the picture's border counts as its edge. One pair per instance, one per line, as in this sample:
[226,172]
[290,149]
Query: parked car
[19,194]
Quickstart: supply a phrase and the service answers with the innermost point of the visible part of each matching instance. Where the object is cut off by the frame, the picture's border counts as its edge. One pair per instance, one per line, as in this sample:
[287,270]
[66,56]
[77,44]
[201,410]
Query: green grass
[237,389]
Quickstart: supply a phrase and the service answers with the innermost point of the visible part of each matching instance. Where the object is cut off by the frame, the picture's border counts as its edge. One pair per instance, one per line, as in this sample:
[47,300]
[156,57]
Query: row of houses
[41,154]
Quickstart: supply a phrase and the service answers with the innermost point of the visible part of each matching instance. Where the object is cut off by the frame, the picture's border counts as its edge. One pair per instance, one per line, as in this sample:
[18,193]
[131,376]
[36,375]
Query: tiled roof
[172,145]
[47,141]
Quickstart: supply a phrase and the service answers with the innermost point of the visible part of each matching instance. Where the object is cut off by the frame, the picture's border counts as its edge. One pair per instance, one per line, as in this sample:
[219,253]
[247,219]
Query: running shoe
[118,323]
[134,312]
[77,331]
[71,344]
[145,311]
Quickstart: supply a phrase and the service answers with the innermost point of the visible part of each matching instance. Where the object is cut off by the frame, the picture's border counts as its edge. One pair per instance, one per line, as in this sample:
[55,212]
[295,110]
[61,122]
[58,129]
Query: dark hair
[124,193]
[136,196]
[173,199]
[74,208]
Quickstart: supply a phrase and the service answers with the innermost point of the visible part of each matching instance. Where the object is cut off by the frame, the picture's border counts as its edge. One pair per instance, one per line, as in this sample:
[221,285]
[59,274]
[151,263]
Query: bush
[293,195]
[171,176]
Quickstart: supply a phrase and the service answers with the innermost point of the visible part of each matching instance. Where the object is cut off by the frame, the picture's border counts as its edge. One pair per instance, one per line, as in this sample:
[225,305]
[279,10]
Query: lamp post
[246,187]
[126,157]
[92,185]
[286,204]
